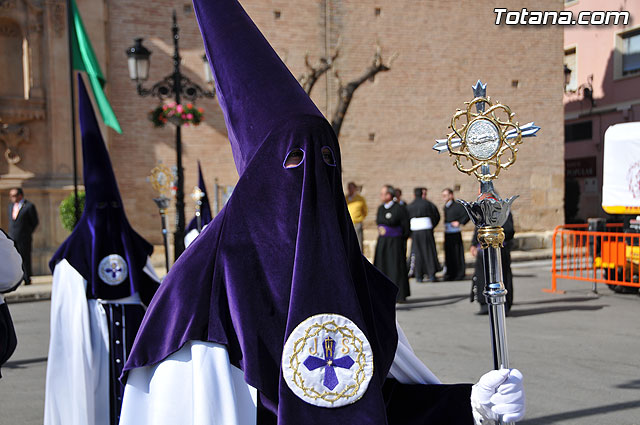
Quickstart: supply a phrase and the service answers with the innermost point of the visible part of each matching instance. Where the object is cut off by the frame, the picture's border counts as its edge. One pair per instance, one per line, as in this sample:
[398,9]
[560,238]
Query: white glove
[498,393]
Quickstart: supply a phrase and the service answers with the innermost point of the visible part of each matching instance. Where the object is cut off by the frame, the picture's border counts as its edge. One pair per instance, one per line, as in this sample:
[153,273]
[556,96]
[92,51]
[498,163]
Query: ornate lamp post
[179,87]
[484,142]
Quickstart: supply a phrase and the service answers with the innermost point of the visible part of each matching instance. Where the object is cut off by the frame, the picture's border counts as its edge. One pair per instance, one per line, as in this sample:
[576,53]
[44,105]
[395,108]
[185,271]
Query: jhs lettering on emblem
[327,361]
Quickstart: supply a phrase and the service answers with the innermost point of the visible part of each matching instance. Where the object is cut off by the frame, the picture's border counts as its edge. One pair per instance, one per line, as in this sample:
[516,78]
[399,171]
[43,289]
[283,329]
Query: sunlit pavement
[579,352]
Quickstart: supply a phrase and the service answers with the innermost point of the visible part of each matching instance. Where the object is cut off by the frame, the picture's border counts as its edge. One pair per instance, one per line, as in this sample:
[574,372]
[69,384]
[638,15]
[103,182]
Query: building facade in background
[35,125]
[603,88]
[388,130]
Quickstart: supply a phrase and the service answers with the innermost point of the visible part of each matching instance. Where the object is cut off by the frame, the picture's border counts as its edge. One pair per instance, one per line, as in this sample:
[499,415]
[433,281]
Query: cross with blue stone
[114,270]
[329,362]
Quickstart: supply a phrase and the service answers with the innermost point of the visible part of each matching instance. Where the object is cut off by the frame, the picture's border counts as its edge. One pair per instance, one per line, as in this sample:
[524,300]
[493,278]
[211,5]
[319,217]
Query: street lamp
[138,59]
[174,85]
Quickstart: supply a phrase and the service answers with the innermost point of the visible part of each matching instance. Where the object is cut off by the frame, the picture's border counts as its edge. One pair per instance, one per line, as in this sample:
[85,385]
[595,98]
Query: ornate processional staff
[483,143]
[161,178]
[197,196]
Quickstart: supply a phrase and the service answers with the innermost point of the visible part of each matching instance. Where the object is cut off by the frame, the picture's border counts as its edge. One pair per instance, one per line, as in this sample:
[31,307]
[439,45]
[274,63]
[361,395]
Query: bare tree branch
[345,93]
[314,72]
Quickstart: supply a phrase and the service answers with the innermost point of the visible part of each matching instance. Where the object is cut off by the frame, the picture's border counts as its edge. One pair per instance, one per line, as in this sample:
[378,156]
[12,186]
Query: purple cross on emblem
[114,270]
[329,362]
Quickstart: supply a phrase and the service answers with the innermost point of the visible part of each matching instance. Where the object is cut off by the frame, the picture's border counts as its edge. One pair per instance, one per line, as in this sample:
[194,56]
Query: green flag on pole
[84,59]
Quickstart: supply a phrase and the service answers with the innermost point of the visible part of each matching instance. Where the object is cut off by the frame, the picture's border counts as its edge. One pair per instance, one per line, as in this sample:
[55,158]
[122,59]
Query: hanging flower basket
[177,114]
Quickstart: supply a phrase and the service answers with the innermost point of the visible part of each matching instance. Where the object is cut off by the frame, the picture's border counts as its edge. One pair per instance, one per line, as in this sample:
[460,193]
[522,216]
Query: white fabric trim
[406,367]
[421,223]
[10,264]
[148,269]
[197,385]
[77,385]
[190,237]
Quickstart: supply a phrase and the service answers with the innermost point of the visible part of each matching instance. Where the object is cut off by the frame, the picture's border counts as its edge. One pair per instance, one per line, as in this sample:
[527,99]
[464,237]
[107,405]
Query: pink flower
[164,107]
[183,116]
[171,104]
[189,116]
[171,113]
[179,109]
[186,124]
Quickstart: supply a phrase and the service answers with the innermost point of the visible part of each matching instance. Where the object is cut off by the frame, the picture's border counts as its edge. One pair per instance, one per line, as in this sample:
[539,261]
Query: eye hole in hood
[294,158]
[327,156]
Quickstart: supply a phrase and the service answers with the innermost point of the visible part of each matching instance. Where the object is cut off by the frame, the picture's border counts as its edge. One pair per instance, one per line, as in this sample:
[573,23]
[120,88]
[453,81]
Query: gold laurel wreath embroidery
[506,146]
[361,360]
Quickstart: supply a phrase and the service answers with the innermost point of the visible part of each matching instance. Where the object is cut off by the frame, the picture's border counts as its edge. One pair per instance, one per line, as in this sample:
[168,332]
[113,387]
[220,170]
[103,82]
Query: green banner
[84,59]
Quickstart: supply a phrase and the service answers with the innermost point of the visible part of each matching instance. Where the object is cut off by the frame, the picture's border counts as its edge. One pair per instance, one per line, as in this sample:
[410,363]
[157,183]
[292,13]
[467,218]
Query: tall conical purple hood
[103,232]
[254,87]
[205,209]
[99,179]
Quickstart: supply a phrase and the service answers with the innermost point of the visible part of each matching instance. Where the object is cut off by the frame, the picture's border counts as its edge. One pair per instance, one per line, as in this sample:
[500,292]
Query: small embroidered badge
[113,269]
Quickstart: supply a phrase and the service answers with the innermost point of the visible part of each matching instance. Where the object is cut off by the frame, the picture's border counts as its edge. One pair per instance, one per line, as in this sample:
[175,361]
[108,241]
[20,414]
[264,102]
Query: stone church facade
[442,48]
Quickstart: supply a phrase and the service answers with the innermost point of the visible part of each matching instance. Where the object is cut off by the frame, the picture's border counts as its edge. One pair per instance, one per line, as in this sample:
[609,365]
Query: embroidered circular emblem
[327,361]
[113,269]
[387,215]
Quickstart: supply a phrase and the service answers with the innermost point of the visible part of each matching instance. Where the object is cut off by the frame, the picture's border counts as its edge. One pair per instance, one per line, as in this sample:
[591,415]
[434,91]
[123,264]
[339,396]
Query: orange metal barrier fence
[610,257]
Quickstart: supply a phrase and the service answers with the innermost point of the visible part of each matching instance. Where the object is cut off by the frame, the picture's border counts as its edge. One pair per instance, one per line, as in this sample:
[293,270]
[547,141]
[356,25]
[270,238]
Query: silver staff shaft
[489,213]
[163,204]
[495,294]
[199,215]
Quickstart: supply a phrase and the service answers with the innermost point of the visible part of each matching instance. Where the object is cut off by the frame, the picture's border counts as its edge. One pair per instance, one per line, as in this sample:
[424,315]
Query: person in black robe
[391,250]
[424,216]
[455,216]
[478,281]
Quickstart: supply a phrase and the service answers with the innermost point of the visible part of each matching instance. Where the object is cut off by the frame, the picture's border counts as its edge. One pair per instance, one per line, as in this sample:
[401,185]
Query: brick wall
[443,48]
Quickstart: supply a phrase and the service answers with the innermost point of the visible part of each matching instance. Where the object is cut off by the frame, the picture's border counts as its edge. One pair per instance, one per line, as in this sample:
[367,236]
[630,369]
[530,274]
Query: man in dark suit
[23,220]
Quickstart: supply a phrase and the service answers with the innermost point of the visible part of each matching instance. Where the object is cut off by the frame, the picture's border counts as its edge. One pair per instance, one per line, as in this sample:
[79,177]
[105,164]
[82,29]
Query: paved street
[579,352]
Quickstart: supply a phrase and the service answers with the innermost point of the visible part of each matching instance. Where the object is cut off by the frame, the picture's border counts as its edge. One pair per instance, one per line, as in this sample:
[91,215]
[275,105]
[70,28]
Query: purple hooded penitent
[205,209]
[282,249]
[103,229]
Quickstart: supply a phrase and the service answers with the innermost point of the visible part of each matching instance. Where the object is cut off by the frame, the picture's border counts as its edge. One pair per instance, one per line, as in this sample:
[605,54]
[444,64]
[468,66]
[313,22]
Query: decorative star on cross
[114,270]
[329,363]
